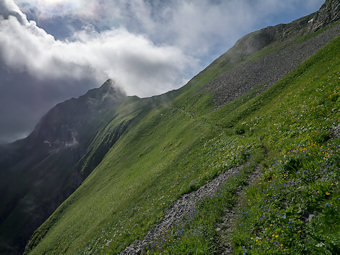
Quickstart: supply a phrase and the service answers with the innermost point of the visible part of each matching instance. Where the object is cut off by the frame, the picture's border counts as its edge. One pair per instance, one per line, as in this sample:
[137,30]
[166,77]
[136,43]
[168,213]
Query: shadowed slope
[38,172]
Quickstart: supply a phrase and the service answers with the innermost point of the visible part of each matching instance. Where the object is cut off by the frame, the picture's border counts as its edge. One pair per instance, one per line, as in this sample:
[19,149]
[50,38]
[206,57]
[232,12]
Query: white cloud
[194,26]
[133,61]
[150,47]
[50,8]
[147,46]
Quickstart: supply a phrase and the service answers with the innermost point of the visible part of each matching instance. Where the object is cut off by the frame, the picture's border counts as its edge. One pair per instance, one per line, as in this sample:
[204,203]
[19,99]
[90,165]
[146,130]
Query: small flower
[281,245]
[271,225]
[327,193]
[299,231]
[266,229]
[276,236]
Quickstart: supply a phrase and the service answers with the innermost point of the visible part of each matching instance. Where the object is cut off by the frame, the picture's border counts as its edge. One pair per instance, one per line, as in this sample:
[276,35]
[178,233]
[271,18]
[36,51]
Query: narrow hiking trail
[181,208]
[185,206]
[229,219]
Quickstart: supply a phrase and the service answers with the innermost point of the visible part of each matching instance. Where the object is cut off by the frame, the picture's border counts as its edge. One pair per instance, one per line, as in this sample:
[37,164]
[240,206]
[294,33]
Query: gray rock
[336,131]
[310,217]
[328,13]
[272,67]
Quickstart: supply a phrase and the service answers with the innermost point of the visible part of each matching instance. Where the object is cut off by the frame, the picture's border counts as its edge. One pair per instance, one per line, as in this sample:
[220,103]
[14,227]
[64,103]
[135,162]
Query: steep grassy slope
[177,145]
[146,153]
[73,138]
[294,207]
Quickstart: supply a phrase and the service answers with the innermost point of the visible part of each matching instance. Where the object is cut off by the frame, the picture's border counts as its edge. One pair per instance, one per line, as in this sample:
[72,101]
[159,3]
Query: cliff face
[328,13]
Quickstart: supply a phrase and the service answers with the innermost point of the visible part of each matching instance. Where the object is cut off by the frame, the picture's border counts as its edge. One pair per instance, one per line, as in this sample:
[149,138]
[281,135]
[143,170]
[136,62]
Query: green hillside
[243,159]
[178,142]
[294,206]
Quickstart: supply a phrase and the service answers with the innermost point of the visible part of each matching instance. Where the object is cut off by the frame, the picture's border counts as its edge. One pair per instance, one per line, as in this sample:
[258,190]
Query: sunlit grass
[294,206]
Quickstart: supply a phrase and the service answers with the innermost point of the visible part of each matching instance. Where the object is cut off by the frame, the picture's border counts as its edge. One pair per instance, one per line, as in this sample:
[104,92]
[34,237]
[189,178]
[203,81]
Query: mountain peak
[69,121]
[109,91]
[109,83]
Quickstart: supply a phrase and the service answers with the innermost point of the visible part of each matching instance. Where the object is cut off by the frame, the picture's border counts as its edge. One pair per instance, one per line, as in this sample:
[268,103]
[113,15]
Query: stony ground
[268,69]
[180,209]
[185,206]
[224,230]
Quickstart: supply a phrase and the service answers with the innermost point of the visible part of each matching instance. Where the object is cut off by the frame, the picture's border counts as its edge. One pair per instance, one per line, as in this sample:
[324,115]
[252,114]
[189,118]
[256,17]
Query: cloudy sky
[52,50]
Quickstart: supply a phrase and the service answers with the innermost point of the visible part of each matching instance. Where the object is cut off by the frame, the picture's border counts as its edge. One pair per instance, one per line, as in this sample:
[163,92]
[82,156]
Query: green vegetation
[197,234]
[294,207]
[174,145]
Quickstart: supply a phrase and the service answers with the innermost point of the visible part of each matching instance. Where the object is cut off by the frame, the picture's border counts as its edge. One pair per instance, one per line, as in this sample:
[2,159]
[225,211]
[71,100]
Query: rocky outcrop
[335,131]
[328,13]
